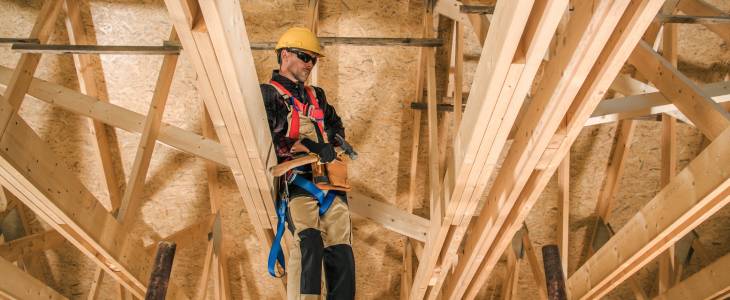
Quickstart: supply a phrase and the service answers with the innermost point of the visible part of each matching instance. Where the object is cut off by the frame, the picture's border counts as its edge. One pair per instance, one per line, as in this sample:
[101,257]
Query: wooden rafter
[17,284]
[30,244]
[564,212]
[706,114]
[712,282]
[650,103]
[628,32]
[33,173]
[512,15]
[584,41]
[132,199]
[691,197]
[92,83]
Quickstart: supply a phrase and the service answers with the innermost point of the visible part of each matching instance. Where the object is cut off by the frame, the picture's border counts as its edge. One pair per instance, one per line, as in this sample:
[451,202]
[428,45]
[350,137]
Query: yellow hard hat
[301,38]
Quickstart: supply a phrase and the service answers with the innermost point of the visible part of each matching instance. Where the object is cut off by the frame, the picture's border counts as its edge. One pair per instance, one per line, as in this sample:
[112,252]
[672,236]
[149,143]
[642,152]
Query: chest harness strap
[324,199]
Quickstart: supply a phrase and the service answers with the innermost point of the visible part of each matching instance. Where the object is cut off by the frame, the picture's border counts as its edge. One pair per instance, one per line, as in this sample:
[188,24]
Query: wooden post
[161,270]
[554,273]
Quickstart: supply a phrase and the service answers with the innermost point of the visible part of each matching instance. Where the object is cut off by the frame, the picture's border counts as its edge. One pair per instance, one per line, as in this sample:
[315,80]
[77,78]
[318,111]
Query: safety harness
[324,199]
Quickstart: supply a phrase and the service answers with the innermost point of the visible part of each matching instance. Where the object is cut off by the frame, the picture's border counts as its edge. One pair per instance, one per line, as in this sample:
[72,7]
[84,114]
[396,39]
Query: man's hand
[298,148]
[325,151]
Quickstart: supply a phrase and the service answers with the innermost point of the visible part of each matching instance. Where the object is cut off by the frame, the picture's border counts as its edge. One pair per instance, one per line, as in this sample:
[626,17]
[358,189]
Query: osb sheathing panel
[371,87]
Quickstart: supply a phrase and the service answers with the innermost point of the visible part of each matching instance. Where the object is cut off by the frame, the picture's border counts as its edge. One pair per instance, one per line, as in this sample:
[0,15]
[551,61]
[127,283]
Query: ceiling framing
[451,254]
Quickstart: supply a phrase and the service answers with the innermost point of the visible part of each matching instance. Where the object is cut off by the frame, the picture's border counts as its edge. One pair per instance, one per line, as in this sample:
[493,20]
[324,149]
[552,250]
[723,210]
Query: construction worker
[301,120]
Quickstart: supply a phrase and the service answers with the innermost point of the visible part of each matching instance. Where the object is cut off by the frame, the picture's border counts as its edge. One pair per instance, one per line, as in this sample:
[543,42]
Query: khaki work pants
[320,243]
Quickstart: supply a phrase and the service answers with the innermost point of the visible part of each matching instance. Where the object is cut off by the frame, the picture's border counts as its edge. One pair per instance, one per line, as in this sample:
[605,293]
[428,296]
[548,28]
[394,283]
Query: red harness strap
[295,106]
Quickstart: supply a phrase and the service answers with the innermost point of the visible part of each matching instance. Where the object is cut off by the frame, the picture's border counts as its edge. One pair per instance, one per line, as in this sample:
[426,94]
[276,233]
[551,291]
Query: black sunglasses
[304,56]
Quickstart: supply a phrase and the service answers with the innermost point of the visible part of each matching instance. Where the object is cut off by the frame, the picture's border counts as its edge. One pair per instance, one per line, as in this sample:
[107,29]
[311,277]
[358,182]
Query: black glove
[325,151]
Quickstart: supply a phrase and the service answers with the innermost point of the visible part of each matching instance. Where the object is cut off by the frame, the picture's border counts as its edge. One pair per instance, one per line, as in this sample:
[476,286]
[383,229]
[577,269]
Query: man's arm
[275,108]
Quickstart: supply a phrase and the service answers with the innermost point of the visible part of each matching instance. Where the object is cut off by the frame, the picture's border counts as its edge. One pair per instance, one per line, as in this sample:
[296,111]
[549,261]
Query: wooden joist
[17,284]
[119,117]
[702,8]
[31,244]
[91,79]
[712,282]
[26,66]
[543,21]
[132,198]
[629,29]
[588,32]
[389,216]
[491,72]
[705,20]
[31,171]
[691,197]
[613,110]
[564,212]
[614,171]
[706,114]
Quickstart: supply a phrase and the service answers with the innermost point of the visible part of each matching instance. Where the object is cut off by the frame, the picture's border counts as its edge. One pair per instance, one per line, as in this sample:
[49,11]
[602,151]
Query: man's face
[297,67]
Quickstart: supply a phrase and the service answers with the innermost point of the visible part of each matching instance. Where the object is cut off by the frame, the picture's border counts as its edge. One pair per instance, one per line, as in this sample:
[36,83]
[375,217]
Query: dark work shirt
[277,113]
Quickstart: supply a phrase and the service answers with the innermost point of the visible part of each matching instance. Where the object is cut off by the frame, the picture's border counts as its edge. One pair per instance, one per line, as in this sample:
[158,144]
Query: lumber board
[119,117]
[651,103]
[33,173]
[614,171]
[706,114]
[587,34]
[88,70]
[691,197]
[711,282]
[388,215]
[132,198]
[30,244]
[628,33]
[489,76]
[564,212]
[26,66]
[17,284]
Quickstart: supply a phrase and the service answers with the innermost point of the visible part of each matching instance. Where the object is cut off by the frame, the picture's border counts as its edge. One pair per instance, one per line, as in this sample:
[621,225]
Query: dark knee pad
[339,269]
[311,247]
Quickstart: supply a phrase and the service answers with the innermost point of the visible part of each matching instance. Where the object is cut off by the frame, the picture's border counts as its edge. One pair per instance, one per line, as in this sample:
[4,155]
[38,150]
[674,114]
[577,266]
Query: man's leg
[339,262]
[305,256]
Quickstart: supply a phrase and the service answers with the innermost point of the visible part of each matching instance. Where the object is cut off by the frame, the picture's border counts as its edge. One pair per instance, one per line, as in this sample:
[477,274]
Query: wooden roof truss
[565,56]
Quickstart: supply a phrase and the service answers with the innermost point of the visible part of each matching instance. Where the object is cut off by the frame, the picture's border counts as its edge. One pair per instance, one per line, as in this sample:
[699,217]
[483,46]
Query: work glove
[325,151]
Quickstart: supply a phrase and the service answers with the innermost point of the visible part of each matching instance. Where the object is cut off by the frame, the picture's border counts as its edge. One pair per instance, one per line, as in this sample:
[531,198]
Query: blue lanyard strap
[275,253]
[324,200]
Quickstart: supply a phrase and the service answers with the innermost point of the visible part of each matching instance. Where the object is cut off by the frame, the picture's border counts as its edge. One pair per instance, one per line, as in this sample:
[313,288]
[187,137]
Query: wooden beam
[30,244]
[17,284]
[616,109]
[216,240]
[90,74]
[691,197]
[222,58]
[706,114]
[564,211]
[188,236]
[26,66]
[388,215]
[620,44]
[31,171]
[132,199]
[711,282]
[537,272]
[614,171]
[120,117]
[702,8]
[95,49]
[510,282]
[667,267]
[541,25]
[407,276]
[491,71]
[564,74]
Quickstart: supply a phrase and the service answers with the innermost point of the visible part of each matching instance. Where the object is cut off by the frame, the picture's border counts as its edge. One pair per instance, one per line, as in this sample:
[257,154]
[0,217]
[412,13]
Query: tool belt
[328,181]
